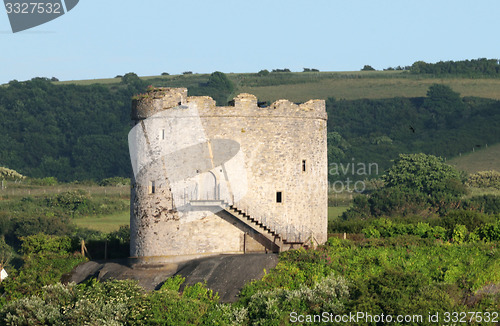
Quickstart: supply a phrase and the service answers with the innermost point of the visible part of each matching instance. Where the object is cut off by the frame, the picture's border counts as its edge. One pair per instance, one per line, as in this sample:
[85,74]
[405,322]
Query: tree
[424,173]
[219,80]
[263,72]
[445,105]
[219,87]
[368,68]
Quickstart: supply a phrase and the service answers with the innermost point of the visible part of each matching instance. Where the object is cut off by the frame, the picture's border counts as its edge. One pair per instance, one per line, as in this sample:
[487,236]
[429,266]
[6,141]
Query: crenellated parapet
[159,99]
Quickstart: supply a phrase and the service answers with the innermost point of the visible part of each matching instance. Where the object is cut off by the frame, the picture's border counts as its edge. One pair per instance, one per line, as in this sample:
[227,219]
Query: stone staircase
[280,243]
[276,242]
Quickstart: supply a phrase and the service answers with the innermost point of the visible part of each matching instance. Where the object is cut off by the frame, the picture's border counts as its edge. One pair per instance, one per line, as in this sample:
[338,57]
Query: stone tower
[210,180]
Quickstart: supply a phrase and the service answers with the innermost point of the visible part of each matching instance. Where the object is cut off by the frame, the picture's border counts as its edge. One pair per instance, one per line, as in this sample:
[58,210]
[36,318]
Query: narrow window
[303,165]
[279,196]
[151,188]
[162,134]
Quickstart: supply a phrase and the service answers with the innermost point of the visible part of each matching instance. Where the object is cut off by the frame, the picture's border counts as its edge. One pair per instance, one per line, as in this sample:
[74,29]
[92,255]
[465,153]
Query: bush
[424,173]
[484,179]
[10,175]
[360,209]
[48,181]
[46,258]
[398,292]
[489,204]
[273,307]
[489,232]
[93,303]
[470,219]
[397,201]
[459,234]
[70,201]
[114,182]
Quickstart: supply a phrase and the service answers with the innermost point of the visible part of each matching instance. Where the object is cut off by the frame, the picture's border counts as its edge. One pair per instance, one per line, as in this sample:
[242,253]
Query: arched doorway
[208,189]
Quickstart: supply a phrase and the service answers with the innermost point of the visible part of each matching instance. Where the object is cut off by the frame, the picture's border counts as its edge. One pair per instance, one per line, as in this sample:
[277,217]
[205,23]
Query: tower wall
[282,149]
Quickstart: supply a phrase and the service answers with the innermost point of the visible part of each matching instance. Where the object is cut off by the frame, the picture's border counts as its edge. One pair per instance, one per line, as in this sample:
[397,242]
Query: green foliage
[93,303]
[367,68]
[41,245]
[8,174]
[263,72]
[168,307]
[273,307]
[66,131]
[47,181]
[385,228]
[397,200]
[397,292]
[424,173]
[71,201]
[46,258]
[114,181]
[489,204]
[471,68]
[484,179]
[173,283]
[489,232]
[470,219]
[378,130]
[459,234]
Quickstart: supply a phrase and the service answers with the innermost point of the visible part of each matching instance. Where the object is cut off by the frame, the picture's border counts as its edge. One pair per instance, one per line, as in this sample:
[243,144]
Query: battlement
[156,100]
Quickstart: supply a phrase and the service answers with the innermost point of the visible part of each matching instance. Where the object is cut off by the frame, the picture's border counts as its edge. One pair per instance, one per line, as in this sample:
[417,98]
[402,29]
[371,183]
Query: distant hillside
[482,159]
[303,86]
[78,130]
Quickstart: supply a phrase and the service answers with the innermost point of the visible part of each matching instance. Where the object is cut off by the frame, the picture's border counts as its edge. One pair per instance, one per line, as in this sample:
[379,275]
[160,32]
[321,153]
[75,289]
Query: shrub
[360,208]
[397,201]
[397,292]
[484,179]
[489,204]
[489,232]
[273,307]
[69,201]
[115,182]
[168,307]
[470,219]
[12,175]
[424,173]
[459,234]
[92,303]
[48,181]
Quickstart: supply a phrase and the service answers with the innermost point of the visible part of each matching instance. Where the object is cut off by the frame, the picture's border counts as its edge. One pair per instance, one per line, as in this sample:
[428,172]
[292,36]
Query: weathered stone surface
[282,148]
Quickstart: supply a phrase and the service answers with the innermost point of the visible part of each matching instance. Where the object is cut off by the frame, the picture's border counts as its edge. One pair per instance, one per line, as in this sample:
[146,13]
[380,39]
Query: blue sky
[105,38]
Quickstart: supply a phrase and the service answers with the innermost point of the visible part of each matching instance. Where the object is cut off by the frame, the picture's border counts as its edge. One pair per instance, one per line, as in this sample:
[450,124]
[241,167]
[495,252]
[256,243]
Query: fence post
[105,249]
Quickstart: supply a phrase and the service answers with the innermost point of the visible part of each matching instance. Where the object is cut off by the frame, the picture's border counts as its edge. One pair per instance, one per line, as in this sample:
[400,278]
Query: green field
[484,159]
[335,212]
[108,207]
[105,223]
[300,87]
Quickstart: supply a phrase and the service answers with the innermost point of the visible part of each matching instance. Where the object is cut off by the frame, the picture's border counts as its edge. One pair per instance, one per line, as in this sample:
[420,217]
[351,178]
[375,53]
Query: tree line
[442,124]
[76,132]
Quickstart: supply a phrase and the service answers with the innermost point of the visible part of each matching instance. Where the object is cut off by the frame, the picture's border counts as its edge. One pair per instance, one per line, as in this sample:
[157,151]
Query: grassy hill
[480,160]
[302,86]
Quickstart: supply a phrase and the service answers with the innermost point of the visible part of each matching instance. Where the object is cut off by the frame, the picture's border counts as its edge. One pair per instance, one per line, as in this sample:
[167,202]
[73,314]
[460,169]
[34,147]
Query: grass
[116,198]
[485,159]
[105,223]
[300,87]
[335,212]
